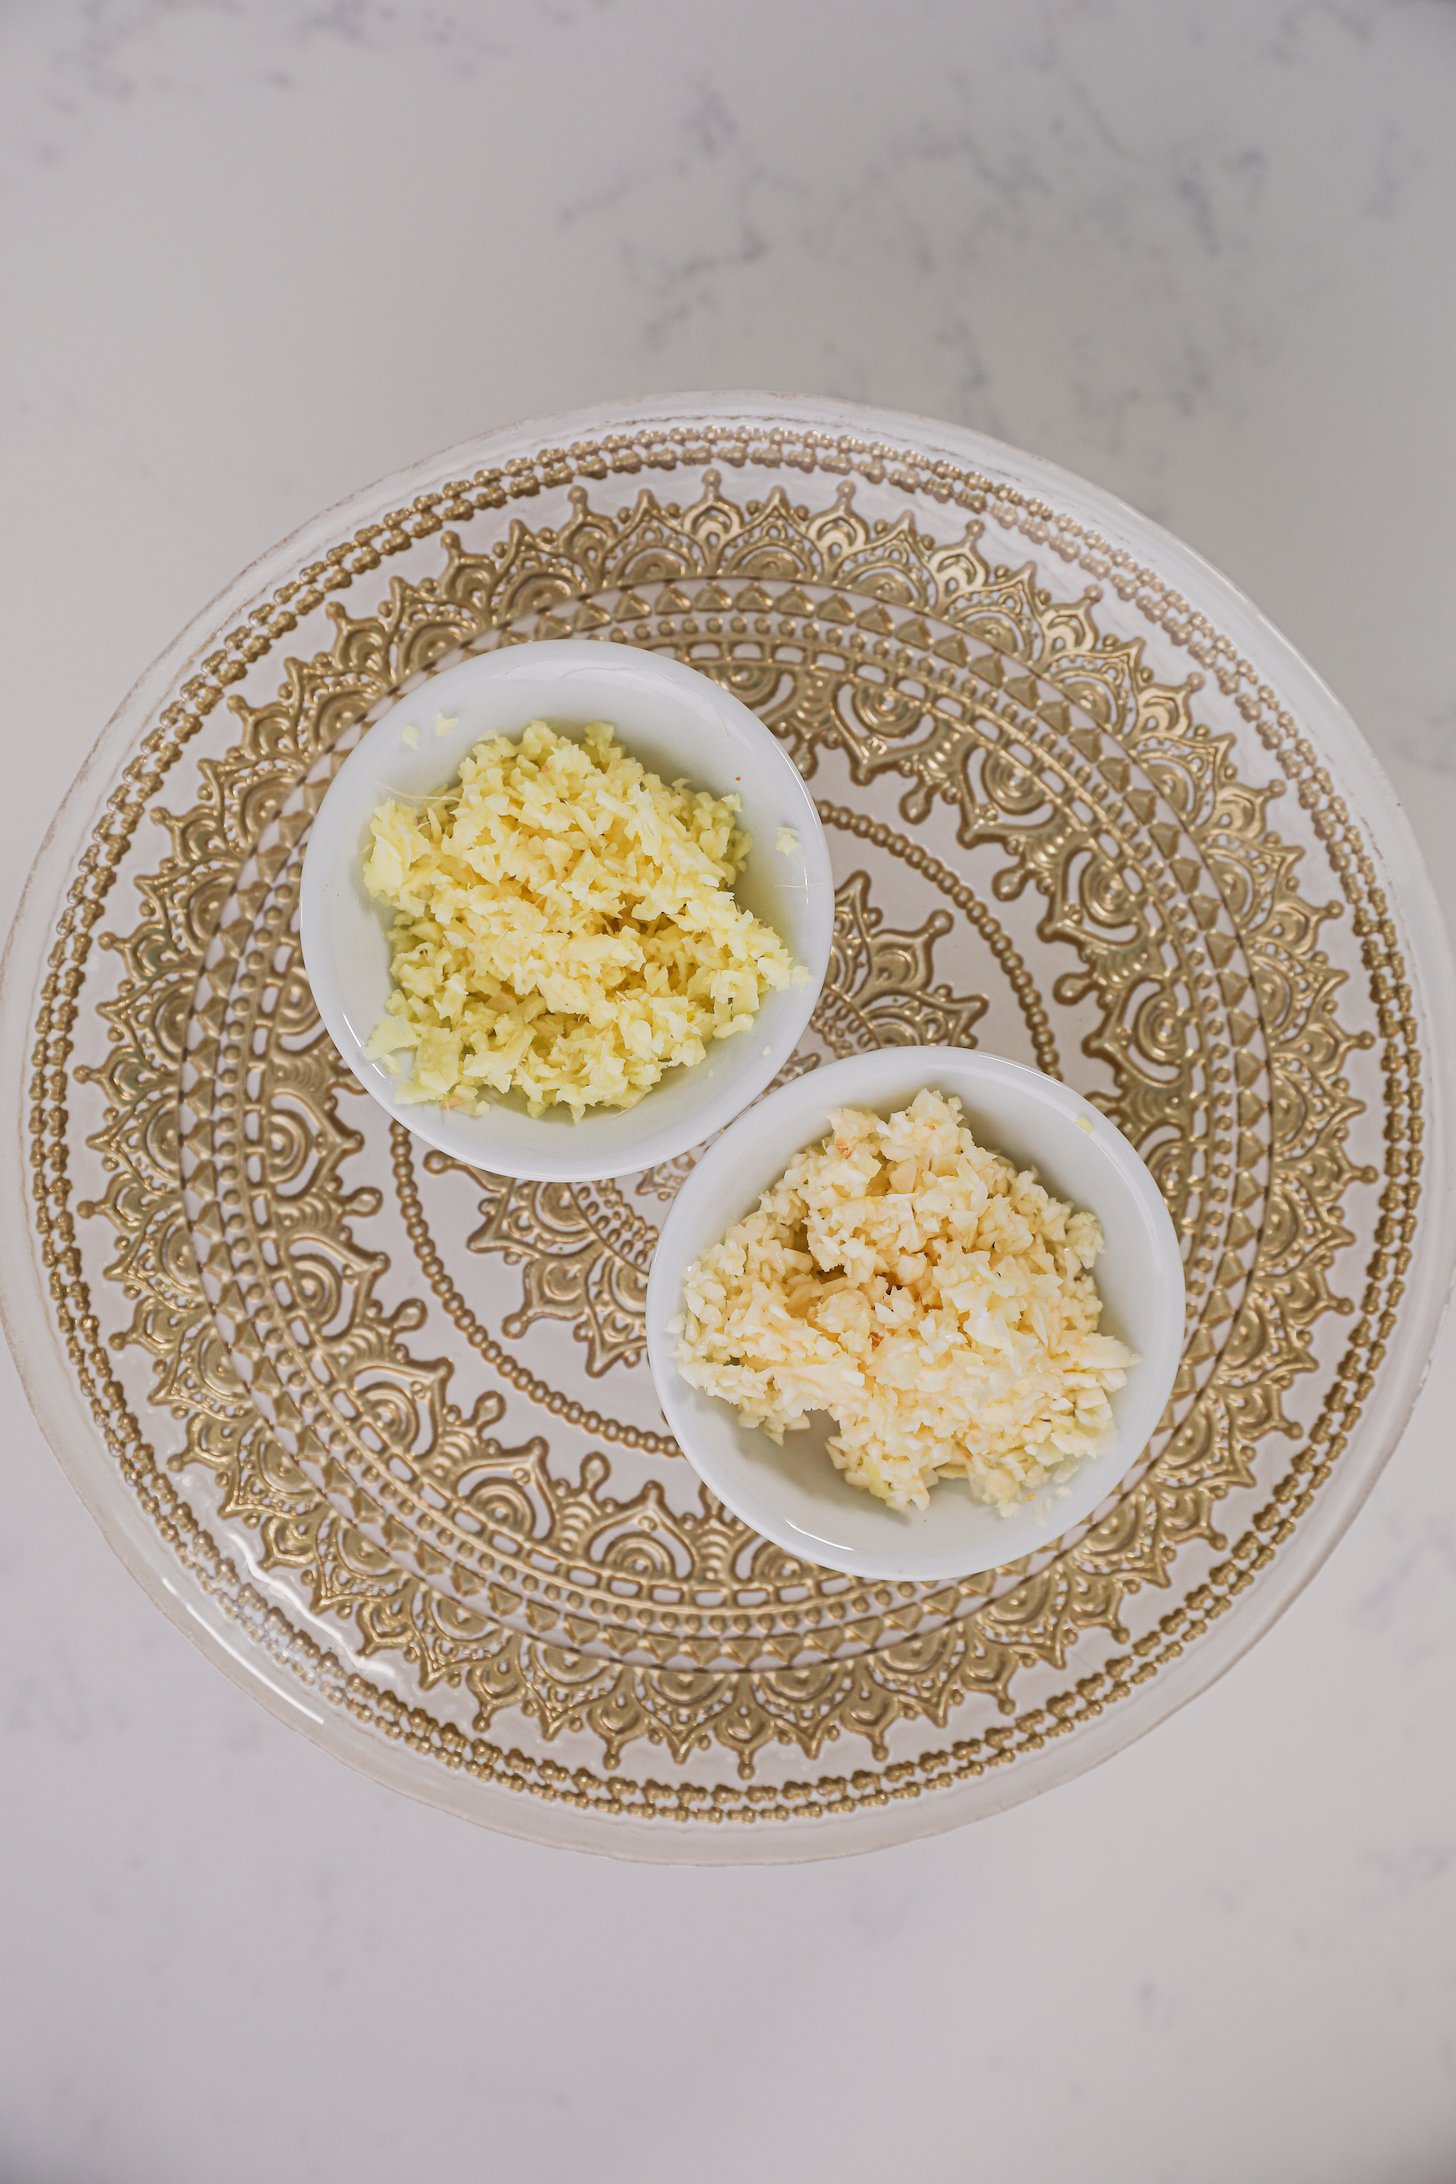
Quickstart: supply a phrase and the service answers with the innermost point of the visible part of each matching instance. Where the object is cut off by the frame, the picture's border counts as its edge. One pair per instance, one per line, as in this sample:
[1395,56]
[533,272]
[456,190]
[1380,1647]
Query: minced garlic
[934,1299]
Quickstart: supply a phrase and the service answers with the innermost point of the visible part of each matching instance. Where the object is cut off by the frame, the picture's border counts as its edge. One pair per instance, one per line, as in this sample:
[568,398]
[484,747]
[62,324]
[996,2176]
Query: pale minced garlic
[935,1300]
[564,927]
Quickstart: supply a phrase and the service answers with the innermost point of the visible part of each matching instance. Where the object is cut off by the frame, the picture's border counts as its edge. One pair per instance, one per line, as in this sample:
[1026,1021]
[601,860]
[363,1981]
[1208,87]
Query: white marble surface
[255,254]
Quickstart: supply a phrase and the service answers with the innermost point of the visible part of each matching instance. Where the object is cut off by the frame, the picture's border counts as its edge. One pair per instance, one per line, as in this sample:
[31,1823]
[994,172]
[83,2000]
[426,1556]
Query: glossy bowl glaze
[681,725]
[793,1494]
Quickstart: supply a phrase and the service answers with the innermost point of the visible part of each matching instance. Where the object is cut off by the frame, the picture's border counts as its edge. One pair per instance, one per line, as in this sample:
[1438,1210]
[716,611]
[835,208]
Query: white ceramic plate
[794,1494]
[681,725]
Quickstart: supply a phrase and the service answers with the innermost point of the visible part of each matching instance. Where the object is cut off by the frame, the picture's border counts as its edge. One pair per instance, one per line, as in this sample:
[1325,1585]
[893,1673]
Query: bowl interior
[680,725]
[794,1494]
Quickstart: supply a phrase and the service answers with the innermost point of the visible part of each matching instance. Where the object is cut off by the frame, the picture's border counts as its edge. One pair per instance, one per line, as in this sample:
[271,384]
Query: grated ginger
[564,928]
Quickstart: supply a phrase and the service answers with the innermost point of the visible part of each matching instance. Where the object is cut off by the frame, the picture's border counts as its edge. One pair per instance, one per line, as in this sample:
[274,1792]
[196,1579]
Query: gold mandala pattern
[1042,752]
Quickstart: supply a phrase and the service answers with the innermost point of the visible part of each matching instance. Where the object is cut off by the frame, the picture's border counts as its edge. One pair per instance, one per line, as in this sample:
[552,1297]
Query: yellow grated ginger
[564,927]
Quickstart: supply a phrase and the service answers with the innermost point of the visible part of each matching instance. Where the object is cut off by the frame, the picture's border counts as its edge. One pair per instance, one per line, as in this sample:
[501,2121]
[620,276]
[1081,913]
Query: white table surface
[256,254]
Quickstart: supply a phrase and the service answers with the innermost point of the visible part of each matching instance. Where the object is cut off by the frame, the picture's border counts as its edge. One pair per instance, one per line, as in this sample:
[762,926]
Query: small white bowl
[680,725]
[793,1494]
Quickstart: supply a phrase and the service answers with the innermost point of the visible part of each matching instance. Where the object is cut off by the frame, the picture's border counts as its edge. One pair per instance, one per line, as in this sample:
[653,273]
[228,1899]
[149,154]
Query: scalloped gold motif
[433,1459]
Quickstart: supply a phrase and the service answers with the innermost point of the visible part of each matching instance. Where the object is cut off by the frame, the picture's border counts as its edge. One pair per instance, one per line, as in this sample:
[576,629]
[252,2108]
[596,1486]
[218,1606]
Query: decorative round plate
[378,1431]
